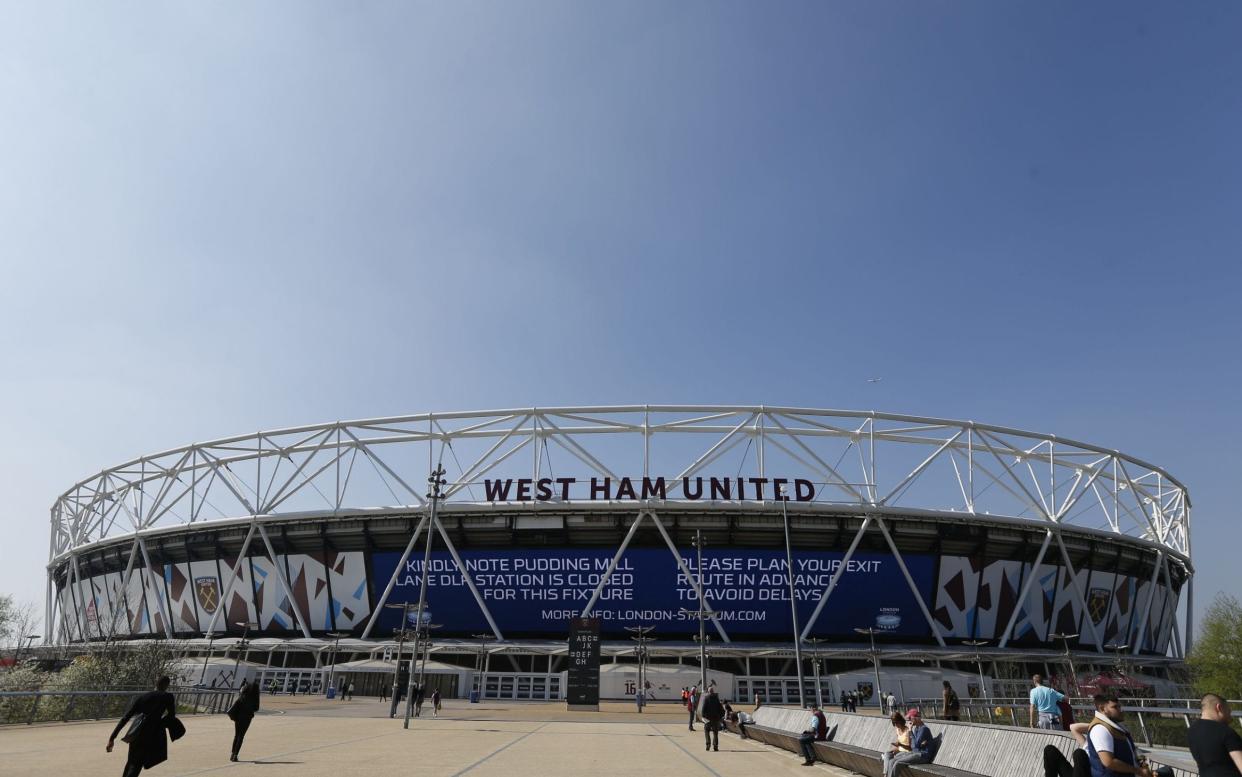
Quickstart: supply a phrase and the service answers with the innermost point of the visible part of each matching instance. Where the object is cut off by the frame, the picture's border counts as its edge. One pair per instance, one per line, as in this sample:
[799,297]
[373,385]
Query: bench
[964,749]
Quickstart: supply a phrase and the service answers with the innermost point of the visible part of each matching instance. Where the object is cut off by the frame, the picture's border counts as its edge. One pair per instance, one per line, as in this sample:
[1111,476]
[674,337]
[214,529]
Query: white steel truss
[879,463]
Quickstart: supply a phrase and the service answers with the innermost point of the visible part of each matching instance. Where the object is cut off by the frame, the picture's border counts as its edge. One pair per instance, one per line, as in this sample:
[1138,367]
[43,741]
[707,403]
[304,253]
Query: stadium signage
[634,489]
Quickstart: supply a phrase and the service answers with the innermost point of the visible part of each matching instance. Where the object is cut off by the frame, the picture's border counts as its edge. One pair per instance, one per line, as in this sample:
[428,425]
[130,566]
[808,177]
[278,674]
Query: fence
[28,707]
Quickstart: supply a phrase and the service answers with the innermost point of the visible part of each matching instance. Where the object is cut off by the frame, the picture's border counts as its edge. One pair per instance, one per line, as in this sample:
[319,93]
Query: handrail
[26,707]
[1144,714]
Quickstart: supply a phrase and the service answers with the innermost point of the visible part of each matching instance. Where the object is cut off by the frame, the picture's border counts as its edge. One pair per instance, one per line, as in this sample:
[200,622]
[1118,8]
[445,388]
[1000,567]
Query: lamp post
[211,637]
[698,570]
[336,644]
[425,641]
[435,481]
[1065,638]
[705,655]
[640,652]
[1121,666]
[793,599]
[404,607]
[480,662]
[875,656]
[819,688]
[30,638]
[242,644]
[976,644]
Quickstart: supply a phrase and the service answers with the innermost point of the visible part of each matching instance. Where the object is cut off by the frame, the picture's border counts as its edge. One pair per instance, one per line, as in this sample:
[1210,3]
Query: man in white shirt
[1110,747]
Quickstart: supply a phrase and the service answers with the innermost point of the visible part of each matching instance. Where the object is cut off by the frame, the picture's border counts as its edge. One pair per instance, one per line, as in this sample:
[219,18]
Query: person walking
[435,703]
[418,701]
[892,702]
[1044,710]
[151,714]
[952,704]
[383,692]
[349,690]
[713,717]
[1215,746]
[692,702]
[242,713]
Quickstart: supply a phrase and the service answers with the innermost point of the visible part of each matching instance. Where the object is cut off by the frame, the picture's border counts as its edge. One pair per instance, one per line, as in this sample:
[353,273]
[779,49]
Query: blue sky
[225,217]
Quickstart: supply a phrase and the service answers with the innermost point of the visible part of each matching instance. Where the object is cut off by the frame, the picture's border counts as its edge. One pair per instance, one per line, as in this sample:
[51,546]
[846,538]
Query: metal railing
[46,706]
[1159,725]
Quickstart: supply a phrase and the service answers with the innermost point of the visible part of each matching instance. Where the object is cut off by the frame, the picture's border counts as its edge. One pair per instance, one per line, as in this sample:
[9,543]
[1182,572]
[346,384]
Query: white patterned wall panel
[348,575]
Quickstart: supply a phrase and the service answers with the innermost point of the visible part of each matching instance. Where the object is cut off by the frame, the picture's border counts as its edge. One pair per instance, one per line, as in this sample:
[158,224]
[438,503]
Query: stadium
[951,546]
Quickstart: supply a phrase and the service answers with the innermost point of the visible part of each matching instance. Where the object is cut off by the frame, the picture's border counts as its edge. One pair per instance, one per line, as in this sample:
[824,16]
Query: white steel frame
[864,462]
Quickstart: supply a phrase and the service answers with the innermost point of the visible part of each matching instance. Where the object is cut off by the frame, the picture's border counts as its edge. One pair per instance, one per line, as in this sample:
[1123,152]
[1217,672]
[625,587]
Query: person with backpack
[1045,713]
[153,714]
[952,704]
[435,703]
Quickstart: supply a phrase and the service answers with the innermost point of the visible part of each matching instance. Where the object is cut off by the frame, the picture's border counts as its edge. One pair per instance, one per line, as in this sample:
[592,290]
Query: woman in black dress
[150,746]
[242,712]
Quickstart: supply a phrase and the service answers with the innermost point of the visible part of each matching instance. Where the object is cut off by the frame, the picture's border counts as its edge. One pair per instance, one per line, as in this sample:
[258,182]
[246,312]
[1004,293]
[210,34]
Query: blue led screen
[537,591]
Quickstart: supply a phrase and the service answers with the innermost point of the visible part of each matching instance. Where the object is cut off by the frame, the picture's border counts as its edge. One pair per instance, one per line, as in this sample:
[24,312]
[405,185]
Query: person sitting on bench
[920,744]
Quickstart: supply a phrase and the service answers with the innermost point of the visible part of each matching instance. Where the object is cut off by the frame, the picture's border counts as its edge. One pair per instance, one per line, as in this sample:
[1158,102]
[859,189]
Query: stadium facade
[931,532]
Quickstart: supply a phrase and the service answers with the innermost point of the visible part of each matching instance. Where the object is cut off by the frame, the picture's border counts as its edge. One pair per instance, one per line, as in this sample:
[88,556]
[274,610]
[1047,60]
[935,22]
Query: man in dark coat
[149,747]
[242,712]
[713,713]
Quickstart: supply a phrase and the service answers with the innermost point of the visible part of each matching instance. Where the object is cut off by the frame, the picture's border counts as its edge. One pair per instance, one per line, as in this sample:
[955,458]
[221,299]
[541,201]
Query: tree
[17,621]
[6,617]
[1216,660]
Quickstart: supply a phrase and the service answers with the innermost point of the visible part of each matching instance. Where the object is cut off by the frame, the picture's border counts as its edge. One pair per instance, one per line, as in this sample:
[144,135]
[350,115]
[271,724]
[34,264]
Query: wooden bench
[963,749]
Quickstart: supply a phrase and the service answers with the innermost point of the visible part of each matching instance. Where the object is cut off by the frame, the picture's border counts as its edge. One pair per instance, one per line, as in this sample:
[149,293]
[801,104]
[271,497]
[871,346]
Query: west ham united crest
[208,592]
[1097,603]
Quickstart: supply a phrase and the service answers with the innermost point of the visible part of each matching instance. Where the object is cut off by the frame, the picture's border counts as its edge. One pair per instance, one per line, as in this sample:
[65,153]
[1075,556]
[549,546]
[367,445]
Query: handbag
[135,725]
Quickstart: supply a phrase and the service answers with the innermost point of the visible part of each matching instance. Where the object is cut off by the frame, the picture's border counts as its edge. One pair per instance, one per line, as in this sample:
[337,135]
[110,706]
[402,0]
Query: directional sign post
[582,692]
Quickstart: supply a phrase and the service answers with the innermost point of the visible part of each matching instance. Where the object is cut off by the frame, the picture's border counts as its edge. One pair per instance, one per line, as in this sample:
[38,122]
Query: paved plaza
[310,736]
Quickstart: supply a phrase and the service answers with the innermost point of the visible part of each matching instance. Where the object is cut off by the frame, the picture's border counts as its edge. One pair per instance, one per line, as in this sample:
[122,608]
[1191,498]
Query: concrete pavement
[310,737]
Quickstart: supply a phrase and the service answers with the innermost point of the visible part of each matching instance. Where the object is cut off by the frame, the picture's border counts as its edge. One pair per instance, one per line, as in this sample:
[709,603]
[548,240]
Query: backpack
[953,701]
